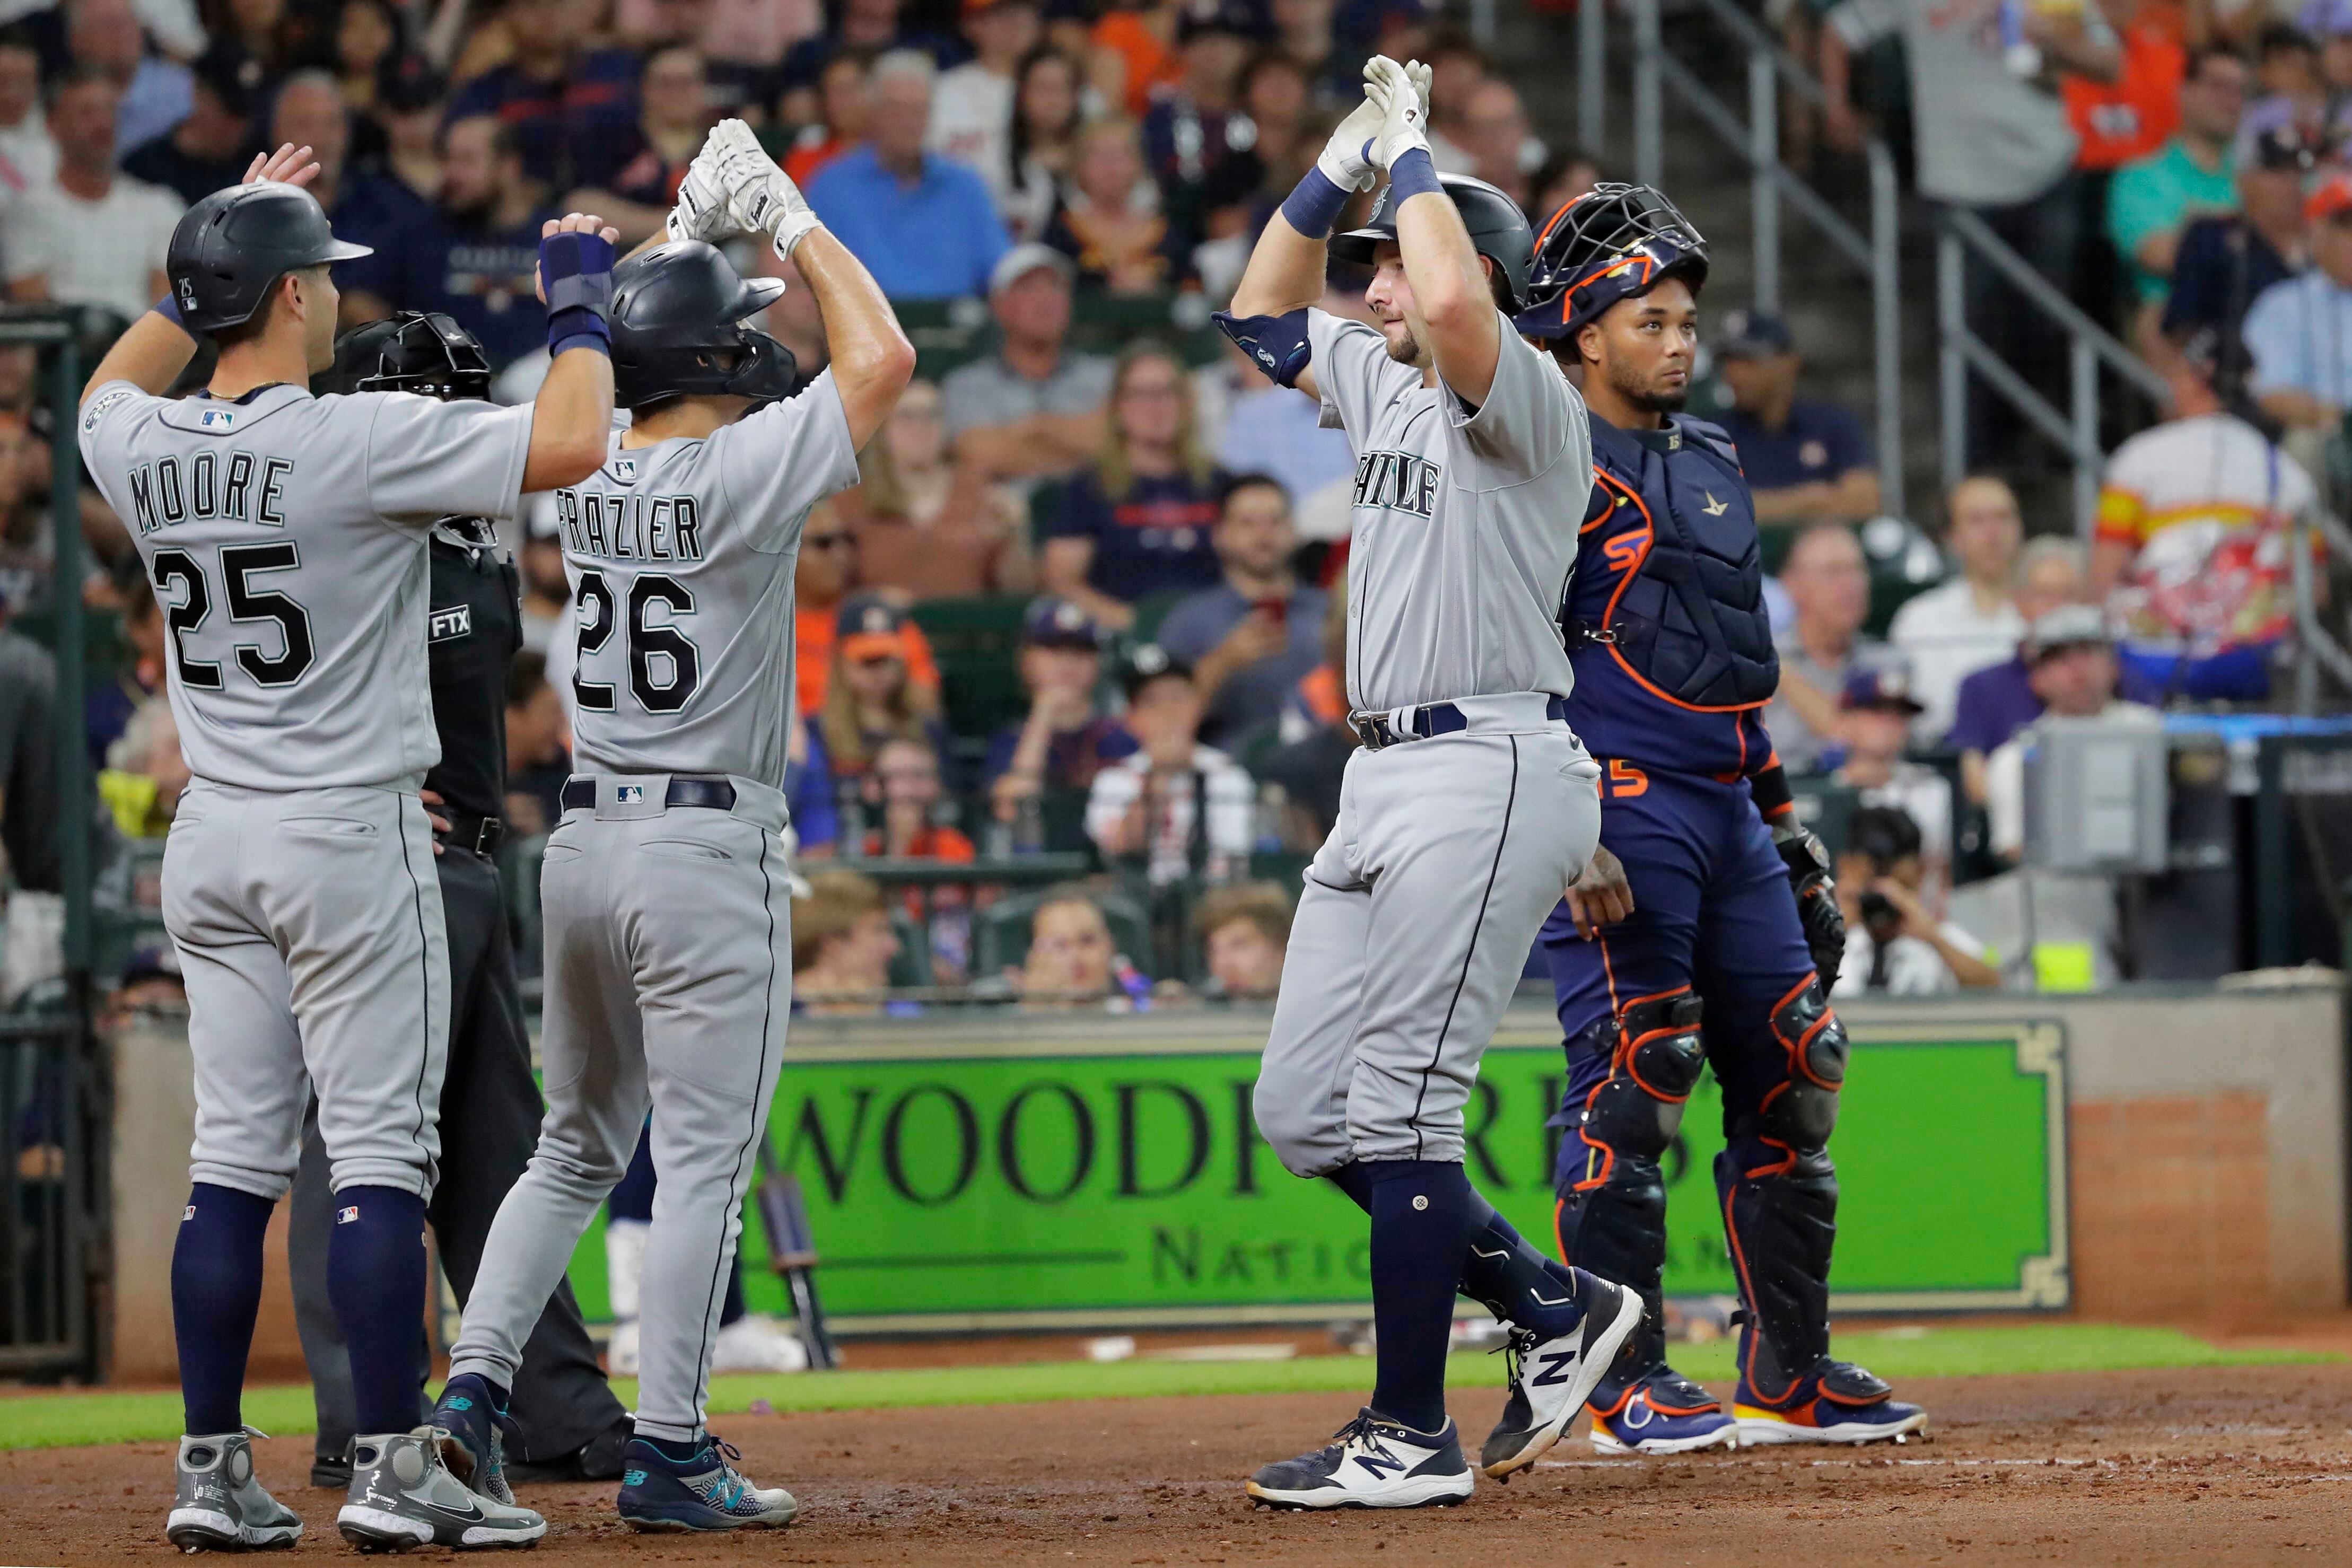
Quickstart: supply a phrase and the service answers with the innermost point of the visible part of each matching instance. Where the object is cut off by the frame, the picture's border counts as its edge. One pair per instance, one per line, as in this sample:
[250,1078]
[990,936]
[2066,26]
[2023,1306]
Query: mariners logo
[1399,481]
[98,410]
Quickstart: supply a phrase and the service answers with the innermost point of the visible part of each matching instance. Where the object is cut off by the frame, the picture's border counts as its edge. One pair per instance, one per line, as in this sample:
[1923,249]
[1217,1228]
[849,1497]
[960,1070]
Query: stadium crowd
[1089,597]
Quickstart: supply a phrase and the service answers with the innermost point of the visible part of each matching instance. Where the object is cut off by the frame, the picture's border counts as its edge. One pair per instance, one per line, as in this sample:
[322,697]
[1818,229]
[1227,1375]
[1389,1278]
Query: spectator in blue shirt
[1806,462]
[2300,331]
[923,225]
[2225,262]
[1137,521]
[1256,634]
[473,256]
[573,109]
[1067,739]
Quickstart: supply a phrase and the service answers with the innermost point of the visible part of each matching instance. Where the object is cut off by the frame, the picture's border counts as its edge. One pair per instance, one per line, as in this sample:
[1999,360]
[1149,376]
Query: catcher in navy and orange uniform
[1707,958]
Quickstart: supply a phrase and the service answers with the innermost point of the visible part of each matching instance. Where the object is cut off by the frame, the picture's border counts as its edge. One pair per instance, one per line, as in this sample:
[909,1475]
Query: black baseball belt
[1376,731]
[467,831]
[708,794]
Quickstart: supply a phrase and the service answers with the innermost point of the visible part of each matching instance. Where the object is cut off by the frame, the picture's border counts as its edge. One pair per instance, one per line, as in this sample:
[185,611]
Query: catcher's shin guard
[1612,1196]
[1780,1196]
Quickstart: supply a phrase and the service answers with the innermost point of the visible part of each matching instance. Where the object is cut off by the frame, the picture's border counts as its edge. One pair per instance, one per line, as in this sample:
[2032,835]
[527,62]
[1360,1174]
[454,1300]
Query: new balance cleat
[402,1496]
[474,1445]
[705,1492]
[1370,1462]
[1836,1402]
[1662,1412]
[221,1505]
[1551,1378]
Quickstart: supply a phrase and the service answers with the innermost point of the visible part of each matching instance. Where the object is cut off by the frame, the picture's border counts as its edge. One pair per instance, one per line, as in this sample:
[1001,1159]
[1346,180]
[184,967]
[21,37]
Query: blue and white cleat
[1662,1412]
[1835,1402]
[1552,1377]
[705,1492]
[1370,1462]
[475,1449]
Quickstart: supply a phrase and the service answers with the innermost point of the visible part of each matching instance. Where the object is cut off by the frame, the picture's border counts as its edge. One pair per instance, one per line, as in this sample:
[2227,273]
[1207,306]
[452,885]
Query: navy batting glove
[576,270]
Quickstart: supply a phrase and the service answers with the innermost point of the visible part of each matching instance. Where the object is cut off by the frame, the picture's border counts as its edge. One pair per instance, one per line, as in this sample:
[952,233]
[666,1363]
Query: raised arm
[872,361]
[1449,282]
[571,417]
[1284,276]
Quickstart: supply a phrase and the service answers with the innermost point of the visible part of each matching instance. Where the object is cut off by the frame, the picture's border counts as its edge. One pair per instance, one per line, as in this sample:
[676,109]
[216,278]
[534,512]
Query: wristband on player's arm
[577,271]
[1412,174]
[168,307]
[1315,205]
[1769,787]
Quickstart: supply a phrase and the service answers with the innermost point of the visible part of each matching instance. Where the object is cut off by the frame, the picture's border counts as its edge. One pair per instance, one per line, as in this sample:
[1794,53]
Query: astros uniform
[665,899]
[286,537]
[1473,804]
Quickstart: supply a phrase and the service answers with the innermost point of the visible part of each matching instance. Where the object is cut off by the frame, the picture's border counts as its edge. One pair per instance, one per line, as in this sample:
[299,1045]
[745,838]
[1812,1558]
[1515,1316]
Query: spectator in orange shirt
[2137,112]
[1134,51]
[907,771]
[821,577]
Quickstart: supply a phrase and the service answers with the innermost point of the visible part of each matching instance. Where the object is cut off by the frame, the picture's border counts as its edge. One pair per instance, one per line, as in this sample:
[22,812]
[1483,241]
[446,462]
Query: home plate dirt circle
[2211,1466]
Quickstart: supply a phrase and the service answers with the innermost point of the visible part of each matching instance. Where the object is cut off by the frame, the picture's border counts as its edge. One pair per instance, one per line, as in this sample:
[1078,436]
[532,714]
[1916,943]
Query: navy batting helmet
[1612,243]
[231,248]
[1497,229]
[677,329]
[413,352]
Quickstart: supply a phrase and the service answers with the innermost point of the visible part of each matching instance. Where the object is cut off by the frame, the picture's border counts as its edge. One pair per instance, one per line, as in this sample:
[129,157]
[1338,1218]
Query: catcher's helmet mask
[678,313]
[413,352]
[1612,243]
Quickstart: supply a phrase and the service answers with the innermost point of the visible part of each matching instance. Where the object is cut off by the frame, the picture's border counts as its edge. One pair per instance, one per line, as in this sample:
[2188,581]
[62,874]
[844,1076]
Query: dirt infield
[2248,1465]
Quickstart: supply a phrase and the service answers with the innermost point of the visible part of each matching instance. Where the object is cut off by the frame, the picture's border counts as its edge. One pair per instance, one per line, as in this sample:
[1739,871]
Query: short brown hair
[837,900]
[1263,903]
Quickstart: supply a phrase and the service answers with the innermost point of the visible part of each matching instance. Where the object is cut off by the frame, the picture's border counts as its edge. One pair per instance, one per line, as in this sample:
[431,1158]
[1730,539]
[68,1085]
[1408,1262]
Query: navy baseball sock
[1423,1220]
[1516,1282]
[376,1276]
[670,1449]
[215,1293]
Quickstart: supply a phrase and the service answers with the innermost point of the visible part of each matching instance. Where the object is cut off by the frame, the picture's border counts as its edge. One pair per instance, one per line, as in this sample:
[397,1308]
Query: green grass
[53,1420]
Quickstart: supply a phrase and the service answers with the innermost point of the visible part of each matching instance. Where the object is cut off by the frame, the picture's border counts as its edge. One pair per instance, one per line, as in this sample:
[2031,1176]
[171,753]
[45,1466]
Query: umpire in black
[570,1425]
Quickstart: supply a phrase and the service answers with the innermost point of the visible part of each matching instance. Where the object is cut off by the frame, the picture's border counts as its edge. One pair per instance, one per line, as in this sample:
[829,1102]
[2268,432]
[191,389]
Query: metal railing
[1755,139]
[1961,234]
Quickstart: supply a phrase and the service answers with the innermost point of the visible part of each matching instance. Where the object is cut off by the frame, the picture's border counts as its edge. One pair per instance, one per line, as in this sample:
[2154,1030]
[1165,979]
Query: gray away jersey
[681,556]
[286,537]
[1464,524]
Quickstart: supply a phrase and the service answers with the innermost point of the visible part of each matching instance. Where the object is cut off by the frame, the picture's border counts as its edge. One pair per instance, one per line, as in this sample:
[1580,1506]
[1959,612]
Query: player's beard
[1407,352]
[1636,387]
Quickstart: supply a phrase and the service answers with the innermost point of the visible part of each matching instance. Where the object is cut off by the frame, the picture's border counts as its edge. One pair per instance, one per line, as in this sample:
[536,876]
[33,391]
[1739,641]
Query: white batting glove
[1344,161]
[762,196]
[701,211]
[1405,117]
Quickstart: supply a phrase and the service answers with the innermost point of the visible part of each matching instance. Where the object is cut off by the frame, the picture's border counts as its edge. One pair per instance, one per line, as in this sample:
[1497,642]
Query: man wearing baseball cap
[1031,410]
[1067,739]
[2300,331]
[2071,663]
[1807,462]
[1874,714]
[2224,262]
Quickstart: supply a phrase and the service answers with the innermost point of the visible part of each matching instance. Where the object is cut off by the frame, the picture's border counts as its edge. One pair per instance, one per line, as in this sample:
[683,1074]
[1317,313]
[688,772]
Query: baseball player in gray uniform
[1469,807]
[665,893]
[286,535]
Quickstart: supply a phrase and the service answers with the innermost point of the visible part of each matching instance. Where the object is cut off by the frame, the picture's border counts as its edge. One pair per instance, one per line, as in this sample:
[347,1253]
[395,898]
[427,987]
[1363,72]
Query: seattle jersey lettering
[209,486]
[1398,480]
[630,527]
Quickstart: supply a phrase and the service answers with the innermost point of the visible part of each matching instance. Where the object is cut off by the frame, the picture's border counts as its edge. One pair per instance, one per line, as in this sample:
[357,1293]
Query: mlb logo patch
[629,794]
[625,469]
[190,1213]
[348,1215]
[217,418]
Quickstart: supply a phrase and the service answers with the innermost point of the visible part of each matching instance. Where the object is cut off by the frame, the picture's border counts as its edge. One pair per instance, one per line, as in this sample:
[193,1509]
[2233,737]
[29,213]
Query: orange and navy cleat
[1832,1401]
[1662,1412]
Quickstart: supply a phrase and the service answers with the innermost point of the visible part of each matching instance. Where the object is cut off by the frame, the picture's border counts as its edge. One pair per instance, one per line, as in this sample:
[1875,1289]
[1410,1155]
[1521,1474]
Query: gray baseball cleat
[221,1505]
[403,1495]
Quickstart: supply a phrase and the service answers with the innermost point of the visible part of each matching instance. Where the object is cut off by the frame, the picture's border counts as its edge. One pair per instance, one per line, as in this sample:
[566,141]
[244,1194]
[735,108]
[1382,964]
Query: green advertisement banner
[1118,1179]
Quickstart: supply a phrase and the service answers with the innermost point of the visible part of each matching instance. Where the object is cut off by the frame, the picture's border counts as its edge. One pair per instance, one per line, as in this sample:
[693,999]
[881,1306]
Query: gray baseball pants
[310,936]
[669,984]
[1411,932]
